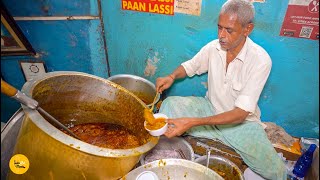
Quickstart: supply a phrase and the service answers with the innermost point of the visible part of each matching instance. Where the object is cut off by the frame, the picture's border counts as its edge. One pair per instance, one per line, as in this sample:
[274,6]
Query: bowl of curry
[159,127]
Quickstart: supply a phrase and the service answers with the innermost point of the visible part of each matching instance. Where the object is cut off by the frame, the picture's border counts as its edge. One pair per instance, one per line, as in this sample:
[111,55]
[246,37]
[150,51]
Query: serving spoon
[147,113]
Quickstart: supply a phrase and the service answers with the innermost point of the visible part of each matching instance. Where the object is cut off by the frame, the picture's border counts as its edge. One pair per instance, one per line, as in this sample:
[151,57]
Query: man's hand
[177,127]
[163,83]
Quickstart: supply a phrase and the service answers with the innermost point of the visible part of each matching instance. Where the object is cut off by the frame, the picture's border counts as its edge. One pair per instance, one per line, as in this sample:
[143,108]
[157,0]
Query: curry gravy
[106,135]
[159,123]
[226,172]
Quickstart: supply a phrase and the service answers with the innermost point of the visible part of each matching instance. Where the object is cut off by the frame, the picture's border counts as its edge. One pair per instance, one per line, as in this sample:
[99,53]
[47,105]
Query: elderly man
[237,72]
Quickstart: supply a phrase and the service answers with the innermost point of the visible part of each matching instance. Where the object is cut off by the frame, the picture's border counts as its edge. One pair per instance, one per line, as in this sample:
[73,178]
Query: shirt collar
[242,54]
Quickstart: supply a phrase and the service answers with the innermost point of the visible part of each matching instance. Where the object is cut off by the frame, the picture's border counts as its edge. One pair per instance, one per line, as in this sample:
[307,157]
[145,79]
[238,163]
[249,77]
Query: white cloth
[238,86]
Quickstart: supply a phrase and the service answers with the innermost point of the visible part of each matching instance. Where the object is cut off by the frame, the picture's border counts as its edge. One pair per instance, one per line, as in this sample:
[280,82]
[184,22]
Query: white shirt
[238,86]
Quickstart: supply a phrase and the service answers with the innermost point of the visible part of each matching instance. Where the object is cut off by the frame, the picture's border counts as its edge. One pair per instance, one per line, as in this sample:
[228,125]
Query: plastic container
[304,162]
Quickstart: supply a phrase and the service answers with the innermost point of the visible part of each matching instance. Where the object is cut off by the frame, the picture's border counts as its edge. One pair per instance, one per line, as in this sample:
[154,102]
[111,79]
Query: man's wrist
[194,122]
[172,76]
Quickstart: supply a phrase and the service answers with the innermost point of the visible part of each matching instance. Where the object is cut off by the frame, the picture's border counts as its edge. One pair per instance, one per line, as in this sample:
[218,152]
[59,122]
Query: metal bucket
[142,88]
[75,98]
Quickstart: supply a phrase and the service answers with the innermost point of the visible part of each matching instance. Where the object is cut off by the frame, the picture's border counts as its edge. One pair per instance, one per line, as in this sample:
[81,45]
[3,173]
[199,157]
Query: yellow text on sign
[134,6]
[155,6]
[161,9]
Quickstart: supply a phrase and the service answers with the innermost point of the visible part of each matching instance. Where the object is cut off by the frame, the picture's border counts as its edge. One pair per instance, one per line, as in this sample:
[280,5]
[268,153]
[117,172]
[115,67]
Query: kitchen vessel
[175,169]
[175,147]
[75,98]
[139,86]
[223,166]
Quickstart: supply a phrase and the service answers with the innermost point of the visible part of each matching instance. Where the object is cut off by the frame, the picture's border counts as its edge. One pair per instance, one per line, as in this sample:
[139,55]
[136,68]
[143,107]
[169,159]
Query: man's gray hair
[242,8]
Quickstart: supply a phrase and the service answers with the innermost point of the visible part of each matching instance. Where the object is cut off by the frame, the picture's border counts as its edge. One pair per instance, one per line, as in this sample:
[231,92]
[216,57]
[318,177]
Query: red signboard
[302,19]
[152,6]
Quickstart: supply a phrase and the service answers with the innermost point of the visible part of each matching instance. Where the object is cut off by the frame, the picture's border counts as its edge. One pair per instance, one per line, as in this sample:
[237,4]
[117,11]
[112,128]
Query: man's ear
[248,29]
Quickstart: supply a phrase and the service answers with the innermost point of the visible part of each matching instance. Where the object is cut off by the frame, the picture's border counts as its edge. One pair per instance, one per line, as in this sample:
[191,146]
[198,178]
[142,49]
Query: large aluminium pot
[75,98]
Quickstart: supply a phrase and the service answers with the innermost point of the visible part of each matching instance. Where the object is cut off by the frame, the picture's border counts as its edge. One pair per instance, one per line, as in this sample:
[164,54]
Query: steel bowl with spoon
[223,166]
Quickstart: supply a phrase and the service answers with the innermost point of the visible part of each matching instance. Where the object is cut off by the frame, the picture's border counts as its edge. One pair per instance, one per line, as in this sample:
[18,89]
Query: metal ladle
[12,92]
[154,101]
[208,157]
[147,113]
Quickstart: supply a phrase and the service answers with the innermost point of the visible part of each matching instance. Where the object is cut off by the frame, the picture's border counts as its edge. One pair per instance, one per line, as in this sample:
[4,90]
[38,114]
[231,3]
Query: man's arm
[197,65]
[234,116]
[164,83]
[180,125]
[179,73]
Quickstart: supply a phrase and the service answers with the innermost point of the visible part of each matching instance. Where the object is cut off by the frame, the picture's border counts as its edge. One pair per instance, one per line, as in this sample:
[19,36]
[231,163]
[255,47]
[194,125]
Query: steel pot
[166,147]
[222,166]
[174,169]
[144,89]
[75,98]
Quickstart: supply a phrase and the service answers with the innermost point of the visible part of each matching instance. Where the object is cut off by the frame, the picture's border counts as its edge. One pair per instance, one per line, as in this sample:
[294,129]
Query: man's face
[230,31]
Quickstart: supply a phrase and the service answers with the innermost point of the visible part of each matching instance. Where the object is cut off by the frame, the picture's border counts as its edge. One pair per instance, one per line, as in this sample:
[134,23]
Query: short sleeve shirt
[241,84]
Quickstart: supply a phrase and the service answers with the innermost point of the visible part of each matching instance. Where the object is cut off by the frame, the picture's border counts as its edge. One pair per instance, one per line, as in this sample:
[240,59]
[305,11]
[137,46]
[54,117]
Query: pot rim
[162,164]
[182,140]
[132,76]
[70,141]
[111,78]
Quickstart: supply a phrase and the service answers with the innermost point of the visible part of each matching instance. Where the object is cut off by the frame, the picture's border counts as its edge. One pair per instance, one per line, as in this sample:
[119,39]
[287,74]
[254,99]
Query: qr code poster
[301,19]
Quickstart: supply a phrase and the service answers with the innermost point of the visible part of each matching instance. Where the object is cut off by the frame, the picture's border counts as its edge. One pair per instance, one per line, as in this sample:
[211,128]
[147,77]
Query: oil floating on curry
[106,135]
[227,173]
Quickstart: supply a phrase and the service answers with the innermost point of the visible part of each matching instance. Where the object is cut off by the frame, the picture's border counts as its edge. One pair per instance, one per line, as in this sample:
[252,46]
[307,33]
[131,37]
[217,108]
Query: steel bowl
[223,166]
[142,88]
[174,169]
[175,147]
[75,98]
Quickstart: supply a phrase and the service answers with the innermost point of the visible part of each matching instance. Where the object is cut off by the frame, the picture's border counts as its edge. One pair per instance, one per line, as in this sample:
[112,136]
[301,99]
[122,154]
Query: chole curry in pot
[106,135]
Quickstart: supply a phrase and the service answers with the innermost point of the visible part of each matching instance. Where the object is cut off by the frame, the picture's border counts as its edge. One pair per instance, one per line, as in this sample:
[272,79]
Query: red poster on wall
[152,6]
[302,19]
